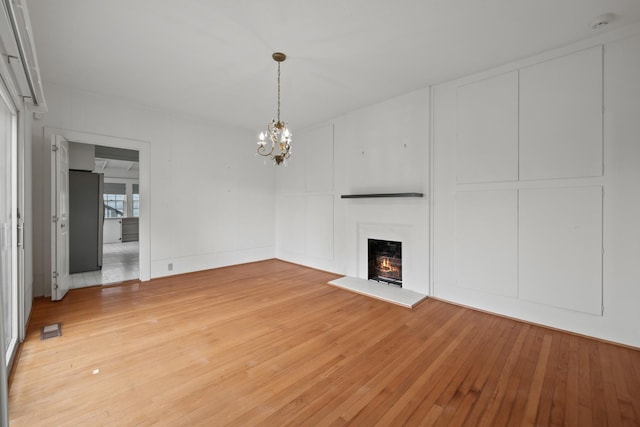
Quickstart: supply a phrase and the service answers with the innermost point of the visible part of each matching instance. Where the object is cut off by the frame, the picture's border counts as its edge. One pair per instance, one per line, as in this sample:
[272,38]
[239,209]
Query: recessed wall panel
[486,241]
[487,146]
[319,159]
[561,117]
[291,224]
[560,247]
[320,226]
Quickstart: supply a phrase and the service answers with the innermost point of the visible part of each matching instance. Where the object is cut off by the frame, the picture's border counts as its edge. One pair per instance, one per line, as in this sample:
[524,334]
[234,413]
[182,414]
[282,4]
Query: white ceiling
[116,168]
[212,58]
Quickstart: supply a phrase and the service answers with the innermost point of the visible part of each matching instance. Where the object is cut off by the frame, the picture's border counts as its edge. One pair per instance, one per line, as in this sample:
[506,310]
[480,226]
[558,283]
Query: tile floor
[120,262]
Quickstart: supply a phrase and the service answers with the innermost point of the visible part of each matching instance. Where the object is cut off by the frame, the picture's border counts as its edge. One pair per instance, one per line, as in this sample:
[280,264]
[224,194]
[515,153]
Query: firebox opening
[385,261]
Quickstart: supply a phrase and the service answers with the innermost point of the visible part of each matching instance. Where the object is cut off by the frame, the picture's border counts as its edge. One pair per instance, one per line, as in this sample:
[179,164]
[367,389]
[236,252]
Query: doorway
[104,192]
[134,267]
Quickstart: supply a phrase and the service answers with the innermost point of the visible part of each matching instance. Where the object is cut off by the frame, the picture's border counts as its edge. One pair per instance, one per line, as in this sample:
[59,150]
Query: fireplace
[385,261]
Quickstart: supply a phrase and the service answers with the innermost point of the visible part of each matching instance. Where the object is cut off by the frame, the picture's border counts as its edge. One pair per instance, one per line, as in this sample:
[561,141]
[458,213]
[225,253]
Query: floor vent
[51,331]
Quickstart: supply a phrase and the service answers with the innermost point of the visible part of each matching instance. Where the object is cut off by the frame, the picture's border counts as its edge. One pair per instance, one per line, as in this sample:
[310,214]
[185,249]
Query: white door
[9,309]
[8,225]
[60,279]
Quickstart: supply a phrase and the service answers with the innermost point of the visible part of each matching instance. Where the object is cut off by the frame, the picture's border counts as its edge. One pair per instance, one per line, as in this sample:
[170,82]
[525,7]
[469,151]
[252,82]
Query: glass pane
[136,205]
[8,280]
[114,205]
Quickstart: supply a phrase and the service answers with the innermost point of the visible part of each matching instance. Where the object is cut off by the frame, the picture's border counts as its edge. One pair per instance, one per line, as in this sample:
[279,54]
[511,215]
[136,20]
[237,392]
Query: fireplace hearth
[385,261]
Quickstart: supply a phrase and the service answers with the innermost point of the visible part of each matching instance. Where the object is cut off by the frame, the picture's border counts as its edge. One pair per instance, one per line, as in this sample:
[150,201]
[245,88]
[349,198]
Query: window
[114,205]
[115,200]
[136,200]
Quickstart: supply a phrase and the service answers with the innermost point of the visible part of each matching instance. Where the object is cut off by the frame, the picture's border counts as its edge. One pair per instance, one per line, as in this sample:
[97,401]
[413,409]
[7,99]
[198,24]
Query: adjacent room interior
[104,186]
[387,213]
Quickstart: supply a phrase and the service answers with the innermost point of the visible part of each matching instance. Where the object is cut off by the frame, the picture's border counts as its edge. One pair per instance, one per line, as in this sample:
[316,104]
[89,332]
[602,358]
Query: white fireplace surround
[393,232]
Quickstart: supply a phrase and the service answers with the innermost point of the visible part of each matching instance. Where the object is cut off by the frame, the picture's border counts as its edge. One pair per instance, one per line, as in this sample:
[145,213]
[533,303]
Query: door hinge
[54,219]
[54,148]
[20,234]
[55,275]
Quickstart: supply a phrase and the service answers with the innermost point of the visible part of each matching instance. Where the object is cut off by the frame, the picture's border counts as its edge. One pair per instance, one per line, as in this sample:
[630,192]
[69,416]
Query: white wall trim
[618,129]
[431,187]
[596,40]
[202,262]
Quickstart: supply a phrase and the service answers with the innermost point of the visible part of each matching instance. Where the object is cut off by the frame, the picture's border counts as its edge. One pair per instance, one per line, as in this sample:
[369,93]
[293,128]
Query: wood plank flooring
[270,343]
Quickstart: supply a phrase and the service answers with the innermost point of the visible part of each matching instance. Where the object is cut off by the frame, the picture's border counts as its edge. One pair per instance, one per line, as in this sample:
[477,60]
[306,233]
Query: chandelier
[277,138]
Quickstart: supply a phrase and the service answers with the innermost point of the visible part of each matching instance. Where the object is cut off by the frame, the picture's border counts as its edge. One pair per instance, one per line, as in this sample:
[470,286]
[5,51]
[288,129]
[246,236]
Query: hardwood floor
[270,343]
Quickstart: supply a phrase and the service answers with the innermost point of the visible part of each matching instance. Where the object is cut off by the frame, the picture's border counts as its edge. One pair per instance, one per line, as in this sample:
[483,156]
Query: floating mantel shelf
[365,196]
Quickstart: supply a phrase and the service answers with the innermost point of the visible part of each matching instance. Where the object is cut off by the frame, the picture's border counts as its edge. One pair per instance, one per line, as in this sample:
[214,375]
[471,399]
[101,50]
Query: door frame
[24,223]
[143,148]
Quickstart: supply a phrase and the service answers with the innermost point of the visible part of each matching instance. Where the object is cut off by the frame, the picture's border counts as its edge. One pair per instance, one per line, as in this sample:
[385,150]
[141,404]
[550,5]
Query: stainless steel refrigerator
[86,216]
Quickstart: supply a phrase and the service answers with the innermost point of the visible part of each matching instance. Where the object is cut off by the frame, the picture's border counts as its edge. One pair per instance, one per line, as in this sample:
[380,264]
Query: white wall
[382,148]
[206,188]
[520,165]
[82,156]
[520,220]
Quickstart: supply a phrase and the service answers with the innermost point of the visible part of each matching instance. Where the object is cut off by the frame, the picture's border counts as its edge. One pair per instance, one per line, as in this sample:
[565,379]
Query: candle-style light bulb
[261,139]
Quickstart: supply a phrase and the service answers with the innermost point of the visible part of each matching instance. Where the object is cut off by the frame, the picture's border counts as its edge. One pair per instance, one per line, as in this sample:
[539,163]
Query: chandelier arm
[262,151]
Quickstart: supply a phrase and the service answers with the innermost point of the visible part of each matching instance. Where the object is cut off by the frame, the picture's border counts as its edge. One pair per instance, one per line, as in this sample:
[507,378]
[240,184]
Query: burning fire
[385,266]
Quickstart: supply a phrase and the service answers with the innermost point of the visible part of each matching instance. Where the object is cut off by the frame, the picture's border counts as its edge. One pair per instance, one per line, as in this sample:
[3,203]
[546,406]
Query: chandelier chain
[278,92]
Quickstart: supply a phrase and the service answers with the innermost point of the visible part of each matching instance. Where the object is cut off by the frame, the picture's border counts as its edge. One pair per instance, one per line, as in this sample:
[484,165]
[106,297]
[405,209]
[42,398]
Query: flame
[386,266]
